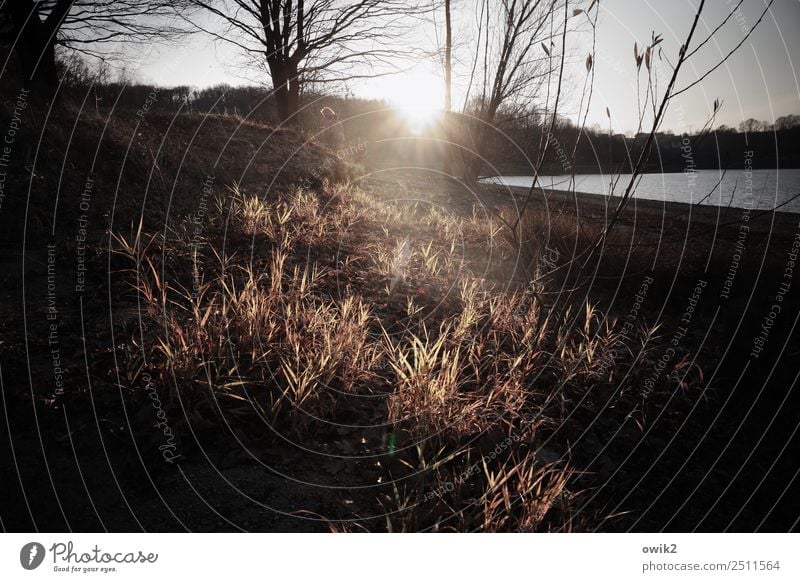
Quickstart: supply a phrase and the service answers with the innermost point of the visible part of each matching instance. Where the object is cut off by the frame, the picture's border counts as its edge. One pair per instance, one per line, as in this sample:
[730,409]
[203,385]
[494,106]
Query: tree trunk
[281,100]
[448,65]
[38,61]
[36,46]
[287,92]
[448,88]
[474,153]
[472,170]
[293,101]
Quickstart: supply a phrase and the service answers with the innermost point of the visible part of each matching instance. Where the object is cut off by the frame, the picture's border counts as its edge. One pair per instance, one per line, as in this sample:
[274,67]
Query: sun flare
[418,96]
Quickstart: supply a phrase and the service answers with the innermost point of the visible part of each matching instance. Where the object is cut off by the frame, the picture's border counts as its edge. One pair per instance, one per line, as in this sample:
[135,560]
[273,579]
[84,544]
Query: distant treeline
[772,146]
[387,139]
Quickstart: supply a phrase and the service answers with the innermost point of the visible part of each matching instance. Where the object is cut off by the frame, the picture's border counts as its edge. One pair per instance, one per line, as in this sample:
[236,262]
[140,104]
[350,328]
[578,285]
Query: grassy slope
[325,355]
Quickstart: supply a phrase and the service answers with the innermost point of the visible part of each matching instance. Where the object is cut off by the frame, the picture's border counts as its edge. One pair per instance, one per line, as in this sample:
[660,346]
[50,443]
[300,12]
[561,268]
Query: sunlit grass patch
[317,305]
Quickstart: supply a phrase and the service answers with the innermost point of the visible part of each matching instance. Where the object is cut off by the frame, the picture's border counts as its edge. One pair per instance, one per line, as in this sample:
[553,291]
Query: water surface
[755,189]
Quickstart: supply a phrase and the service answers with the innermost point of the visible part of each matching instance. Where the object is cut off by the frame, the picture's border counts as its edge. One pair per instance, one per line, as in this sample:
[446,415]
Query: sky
[759,80]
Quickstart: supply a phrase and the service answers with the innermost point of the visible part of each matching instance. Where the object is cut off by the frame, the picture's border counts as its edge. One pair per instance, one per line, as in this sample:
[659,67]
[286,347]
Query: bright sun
[418,95]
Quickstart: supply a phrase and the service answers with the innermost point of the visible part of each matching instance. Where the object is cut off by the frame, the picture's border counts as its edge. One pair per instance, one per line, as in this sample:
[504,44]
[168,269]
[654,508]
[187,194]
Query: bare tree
[32,30]
[311,41]
[448,83]
[787,122]
[506,71]
[752,126]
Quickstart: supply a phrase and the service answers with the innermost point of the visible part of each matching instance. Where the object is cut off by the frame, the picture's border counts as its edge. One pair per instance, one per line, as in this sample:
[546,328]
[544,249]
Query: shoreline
[677,240]
[642,208]
[454,196]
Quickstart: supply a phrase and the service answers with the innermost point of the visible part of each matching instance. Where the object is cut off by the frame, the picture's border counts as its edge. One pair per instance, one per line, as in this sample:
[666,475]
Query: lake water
[756,189]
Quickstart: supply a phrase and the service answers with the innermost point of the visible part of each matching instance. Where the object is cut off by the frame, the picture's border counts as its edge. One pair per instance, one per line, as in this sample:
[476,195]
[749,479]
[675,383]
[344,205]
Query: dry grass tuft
[321,296]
